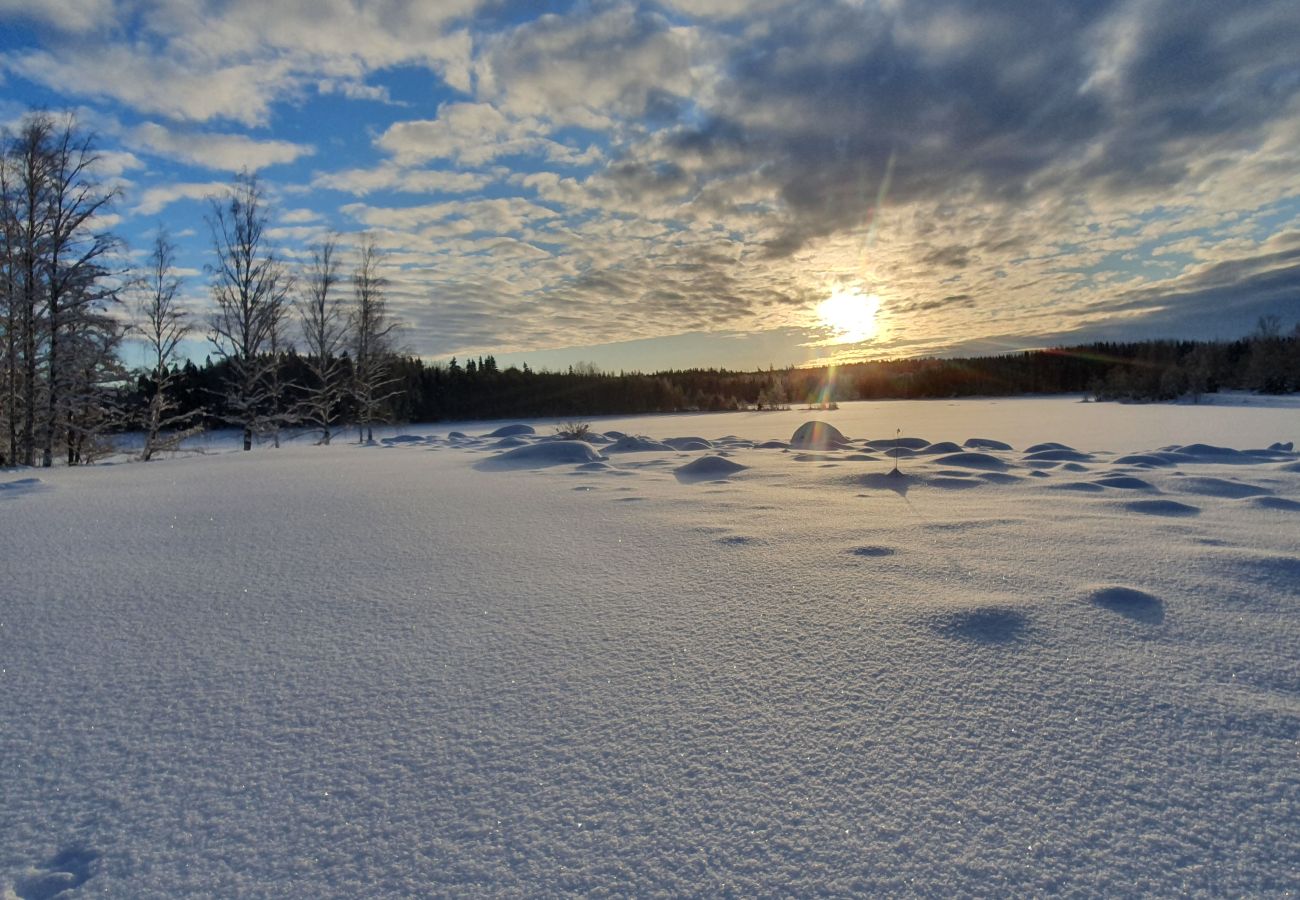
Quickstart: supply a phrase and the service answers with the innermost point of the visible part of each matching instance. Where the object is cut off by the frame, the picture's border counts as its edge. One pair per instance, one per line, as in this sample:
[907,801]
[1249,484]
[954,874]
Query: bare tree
[278,412]
[58,338]
[325,330]
[372,330]
[25,234]
[77,291]
[90,404]
[10,293]
[162,325]
[250,288]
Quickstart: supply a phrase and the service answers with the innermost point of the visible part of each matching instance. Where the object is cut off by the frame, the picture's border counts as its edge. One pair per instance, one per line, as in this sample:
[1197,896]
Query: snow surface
[427,667]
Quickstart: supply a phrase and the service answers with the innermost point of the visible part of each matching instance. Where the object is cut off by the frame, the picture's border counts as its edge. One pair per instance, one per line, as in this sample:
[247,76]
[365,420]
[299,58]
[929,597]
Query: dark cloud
[1015,101]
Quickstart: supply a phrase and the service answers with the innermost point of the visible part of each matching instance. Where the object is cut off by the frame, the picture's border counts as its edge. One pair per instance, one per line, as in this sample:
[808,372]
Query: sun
[850,313]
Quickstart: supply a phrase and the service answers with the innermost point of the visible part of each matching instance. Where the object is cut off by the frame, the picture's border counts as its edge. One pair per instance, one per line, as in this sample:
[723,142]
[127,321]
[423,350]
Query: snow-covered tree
[57,289]
[372,329]
[325,331]
[250,287]
[162,325]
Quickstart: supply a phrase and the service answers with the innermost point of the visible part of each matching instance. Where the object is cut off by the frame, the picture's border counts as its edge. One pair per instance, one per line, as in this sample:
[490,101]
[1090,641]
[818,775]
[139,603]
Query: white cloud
[113,164]
[190,62]
[157,84]
[499,216]
[300,216]
[78,16]
[388,177]
[355,90]
[156,199]
[589,70]
[213,150]
[474,134]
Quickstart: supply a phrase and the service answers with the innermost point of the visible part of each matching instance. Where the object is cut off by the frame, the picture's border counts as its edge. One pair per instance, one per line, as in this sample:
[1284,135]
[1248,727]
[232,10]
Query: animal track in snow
[872,551]
[1130,602]
[983,625]
[21,486]
[70,868]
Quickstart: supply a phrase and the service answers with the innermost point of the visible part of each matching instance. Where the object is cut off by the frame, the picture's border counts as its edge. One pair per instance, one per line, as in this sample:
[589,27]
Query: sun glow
[850,313]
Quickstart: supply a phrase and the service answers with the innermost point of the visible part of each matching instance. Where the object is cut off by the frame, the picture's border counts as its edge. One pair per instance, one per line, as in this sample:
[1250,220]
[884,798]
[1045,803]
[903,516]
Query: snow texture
[436,667]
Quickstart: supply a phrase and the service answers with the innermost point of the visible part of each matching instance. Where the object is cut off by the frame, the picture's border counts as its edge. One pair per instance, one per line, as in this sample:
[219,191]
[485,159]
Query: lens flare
[850,314]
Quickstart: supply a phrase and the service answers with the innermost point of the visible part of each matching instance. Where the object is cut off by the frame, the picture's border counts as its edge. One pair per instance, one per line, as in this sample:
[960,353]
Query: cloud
[299,216]
[390,177]
[189,61]
[213,150]
[993,171]
[155,199]
[159,85]
[496,216]
[77,16]
[590,69]
[475,134]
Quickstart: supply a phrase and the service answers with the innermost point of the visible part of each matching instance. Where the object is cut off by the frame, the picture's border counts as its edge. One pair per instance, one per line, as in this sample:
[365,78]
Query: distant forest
[1267,362]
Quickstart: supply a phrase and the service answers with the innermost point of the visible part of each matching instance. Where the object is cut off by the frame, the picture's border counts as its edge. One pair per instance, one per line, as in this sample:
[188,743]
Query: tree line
[64,389]
[65,296]
[1267,362]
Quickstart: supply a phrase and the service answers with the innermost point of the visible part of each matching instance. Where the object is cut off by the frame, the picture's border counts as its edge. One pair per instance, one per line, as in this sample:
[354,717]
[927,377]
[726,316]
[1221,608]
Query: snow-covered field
[425,668]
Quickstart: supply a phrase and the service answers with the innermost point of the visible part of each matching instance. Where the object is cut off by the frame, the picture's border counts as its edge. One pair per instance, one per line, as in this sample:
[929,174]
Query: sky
[725,183]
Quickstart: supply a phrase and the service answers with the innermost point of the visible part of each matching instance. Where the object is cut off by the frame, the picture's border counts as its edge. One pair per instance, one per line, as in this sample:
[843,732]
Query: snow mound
[1130,602]
[1147,460]
[773,445]
[709,467]
[1126,482]
[510,441]
[1048,445]
[971,460]
[906,443]
[817,436]
[403,439]
[1278,503]
[689,443]
[1218,487]
[985,444]
[1208,451]
[1281,447]
[1083,487]
[511,431]
[1162,508]
[636,444]
[20,486]
[941,447]
[551,453]
[1057,454]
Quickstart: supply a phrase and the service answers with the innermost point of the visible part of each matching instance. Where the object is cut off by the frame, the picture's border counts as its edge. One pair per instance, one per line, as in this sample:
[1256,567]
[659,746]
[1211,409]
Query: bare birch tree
[325,331]
[372,330]
[58,337]
[76,286]
[25,232]
[162,325]
[250,288]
